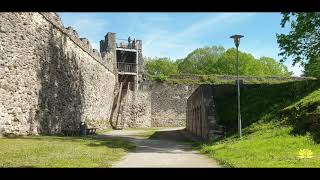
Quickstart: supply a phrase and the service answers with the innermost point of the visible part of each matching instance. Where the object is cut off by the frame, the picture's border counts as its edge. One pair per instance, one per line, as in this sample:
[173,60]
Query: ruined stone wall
[50,78]
[155,104]
[202,118]
[198,110]
[168,104]
[137,112]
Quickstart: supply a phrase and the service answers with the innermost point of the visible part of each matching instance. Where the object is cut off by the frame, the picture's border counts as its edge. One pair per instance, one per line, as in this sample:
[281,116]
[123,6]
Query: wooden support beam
[118,102]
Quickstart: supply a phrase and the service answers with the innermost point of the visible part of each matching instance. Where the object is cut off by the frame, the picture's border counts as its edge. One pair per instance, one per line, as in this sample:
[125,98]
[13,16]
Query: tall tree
[215,60]
[249,66]
[312,68]
[160,66]
[201,60]
[272,67]
[303,41]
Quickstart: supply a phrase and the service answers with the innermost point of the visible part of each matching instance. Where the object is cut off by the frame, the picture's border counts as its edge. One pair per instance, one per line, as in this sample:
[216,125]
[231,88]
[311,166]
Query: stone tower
[128,68]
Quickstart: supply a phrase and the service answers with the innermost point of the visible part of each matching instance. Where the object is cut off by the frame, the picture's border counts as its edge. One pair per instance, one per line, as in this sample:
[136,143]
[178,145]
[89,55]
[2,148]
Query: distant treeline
[215,60]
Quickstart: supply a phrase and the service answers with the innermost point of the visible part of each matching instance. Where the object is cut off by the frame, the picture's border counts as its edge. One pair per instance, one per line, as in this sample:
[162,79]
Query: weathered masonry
[50,78]
[138,102]
[202,119]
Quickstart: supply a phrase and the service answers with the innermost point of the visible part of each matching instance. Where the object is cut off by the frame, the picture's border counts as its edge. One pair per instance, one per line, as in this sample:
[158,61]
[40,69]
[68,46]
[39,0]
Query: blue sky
[174,35]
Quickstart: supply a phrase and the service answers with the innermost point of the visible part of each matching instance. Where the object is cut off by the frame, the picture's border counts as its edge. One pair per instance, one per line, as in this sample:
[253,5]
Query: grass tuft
[61,152]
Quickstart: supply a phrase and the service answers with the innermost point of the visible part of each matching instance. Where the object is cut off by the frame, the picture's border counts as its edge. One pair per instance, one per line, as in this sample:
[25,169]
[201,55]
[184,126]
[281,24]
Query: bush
[160,78]
[204,78]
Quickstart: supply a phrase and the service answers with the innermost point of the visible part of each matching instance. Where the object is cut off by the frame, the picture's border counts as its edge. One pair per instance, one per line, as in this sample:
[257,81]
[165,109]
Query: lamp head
[236,39]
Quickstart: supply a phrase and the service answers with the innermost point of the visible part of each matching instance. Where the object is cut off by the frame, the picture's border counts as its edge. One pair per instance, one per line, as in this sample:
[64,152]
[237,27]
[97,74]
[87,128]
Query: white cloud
[214,23]
[154,30]
[159,42]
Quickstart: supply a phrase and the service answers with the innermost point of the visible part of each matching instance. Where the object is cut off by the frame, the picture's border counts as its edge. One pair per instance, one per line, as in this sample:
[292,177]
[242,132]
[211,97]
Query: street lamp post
[236,39]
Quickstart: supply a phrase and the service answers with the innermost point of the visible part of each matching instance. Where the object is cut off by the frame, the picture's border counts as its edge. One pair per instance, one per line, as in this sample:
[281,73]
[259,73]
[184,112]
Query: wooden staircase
[119,118]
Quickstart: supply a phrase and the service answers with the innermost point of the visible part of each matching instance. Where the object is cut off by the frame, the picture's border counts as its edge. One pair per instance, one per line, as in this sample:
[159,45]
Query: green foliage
[305,115]
[216,60]
[103,131]
[219,79]
[265,102]
[160,67]
[248,65]
[201,60]
[59,152]
[204,78]
[312,68]
[159,78]
[278,120]
[272,67]
[302,43]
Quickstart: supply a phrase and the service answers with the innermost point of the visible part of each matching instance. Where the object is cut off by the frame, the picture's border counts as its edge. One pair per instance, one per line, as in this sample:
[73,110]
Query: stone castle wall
[202,118]
[168,104]
[155,104]
[169,100]
[137,111]
[50,78]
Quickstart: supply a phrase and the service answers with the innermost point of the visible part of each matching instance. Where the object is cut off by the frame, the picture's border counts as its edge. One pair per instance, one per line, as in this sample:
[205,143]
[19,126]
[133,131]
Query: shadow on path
[162,149]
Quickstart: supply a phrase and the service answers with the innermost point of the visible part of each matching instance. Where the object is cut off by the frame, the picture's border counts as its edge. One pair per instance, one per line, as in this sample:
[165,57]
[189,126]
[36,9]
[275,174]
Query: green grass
[278,120]
[267,147]
[59,152]
[270,102]
[102,131]
[218,79]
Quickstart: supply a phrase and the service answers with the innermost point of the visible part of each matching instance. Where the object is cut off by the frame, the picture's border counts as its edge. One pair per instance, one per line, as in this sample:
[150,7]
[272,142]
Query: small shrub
[204,78]
[160,78]
[213,79]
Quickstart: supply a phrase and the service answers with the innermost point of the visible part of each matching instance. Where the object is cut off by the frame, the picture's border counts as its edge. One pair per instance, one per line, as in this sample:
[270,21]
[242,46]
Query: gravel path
[161,151]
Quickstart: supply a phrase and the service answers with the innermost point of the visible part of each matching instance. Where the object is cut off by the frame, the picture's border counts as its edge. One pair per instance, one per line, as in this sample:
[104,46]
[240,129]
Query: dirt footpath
[162,149]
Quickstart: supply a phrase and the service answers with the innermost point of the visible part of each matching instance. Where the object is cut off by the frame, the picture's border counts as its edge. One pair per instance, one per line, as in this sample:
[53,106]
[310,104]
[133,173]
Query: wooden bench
[91,131]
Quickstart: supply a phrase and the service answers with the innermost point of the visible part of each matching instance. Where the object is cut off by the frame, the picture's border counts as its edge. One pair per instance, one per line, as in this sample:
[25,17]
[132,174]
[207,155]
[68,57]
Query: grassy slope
[53,151]
[278,120]
[217,79]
